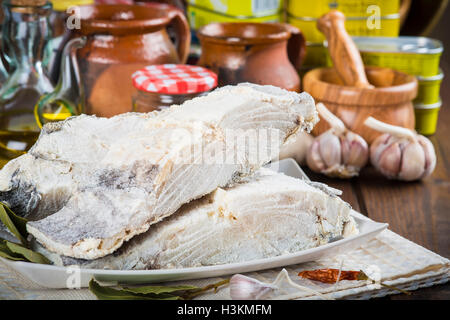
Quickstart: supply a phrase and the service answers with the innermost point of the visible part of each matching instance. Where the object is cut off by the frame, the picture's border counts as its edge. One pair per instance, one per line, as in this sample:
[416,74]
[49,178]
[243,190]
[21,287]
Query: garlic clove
[413,162]
[389,160]
[401,153]
[337,152]
[430,155]
[330,148]
[378,146]
[313,158]
[297,146]
[246,288]
[355,151]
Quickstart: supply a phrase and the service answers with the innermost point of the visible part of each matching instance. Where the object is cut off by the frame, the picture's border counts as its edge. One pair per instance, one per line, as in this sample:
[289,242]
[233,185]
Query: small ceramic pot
[262,53]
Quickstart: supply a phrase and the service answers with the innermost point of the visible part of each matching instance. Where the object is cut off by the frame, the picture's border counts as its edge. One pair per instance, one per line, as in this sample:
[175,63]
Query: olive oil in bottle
[25,32]
[68,97]
[18,127]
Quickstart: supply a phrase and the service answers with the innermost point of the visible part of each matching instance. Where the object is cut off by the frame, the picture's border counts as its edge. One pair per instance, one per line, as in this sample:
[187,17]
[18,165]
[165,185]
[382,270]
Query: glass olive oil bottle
[68,97]
[25,32]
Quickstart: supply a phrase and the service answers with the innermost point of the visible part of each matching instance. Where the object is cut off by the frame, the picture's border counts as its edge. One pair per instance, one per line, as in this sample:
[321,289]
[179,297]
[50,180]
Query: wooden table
[418,211]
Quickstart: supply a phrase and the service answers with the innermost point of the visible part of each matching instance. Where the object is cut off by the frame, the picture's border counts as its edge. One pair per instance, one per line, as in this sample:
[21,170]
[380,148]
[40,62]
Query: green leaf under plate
[28,254]
[6,253]
[151,292]
[14,223]
[17,252]
[160,289]
[18,227]
[106,293]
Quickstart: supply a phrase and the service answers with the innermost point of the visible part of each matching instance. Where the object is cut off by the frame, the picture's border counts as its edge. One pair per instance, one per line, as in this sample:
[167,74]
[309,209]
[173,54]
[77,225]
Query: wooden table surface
[418,211]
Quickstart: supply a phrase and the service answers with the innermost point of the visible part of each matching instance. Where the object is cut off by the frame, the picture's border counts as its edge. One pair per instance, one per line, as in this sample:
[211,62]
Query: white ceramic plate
[61,277]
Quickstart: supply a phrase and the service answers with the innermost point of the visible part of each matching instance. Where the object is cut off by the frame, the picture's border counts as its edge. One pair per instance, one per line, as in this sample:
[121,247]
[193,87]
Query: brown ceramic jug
[122,39]
[262,53]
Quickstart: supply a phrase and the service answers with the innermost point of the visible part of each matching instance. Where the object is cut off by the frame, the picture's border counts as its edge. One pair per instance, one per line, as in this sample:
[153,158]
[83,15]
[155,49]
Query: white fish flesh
[104,181]
[268,215]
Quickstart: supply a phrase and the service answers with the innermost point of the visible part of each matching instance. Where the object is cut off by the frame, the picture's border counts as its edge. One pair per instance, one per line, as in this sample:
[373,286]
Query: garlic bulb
[401,153]
[296,146]
[337,152]
[246,288]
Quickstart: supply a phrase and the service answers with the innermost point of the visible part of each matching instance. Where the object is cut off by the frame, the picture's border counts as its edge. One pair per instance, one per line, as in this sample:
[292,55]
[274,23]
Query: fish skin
[98,215]
[40,182]
[266,215]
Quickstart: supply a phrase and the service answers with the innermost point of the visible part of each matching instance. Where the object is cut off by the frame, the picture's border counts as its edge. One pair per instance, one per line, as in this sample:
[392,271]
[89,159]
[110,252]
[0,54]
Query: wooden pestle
[343,51]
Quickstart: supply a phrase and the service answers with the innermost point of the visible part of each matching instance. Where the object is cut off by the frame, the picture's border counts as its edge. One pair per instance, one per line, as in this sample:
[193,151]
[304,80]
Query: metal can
[429,88]
[389,26]
[414,55]
[249,8]
[427,117]
[198,17]
[316,55]
[351,8]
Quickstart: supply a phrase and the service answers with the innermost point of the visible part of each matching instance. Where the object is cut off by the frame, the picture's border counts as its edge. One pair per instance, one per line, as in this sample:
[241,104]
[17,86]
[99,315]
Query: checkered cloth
[174,79]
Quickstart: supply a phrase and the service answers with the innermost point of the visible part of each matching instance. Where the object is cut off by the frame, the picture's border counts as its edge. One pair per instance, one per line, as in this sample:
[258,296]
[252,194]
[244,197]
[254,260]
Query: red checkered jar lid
[174,79]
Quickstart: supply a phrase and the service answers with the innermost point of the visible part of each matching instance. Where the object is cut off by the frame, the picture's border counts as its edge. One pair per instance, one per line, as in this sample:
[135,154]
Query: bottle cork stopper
[29,3]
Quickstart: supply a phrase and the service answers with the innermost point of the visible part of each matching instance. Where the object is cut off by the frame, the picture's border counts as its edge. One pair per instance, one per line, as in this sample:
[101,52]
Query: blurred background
[409,36]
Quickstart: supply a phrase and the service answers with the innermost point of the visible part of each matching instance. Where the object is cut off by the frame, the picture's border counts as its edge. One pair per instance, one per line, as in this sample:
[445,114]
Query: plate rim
[22,266]
[379,228]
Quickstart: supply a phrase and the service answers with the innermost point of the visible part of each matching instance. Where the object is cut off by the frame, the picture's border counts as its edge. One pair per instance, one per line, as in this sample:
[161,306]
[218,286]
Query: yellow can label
[427,118]
[248,8]
[63,5]
[351,8]
[426,65]
[199,17]
[387,27]
[316,56]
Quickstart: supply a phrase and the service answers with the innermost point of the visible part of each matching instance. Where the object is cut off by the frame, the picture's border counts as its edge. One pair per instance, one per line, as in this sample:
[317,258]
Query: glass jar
[150,101]
[160,86]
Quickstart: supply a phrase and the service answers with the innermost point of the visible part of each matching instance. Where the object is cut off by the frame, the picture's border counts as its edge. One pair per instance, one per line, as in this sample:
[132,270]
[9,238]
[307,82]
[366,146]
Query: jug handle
[296,46]
[179,21]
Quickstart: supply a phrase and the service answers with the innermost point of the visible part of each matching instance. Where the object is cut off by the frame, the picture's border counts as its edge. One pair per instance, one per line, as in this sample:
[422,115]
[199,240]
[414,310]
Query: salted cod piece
[107,183]
[268,215]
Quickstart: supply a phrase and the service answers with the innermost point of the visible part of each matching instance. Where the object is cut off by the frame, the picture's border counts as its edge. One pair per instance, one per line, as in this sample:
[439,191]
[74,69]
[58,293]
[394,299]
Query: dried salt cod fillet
[268,215]
[65,157]
[107,180]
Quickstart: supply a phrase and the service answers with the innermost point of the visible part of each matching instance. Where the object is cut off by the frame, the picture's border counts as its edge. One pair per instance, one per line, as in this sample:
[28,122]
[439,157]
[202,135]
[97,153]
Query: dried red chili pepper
[331,275]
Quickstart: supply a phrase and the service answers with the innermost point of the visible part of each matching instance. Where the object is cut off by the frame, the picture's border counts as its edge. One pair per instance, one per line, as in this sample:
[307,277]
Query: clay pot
[262,53]
[120,40]
[389,101]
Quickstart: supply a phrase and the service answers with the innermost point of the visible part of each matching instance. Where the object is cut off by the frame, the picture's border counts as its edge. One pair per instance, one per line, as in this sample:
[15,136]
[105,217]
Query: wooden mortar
[354,92]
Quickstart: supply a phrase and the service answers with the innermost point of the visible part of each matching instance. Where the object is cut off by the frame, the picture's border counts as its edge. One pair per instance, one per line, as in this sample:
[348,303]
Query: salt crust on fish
[104,181]
[269,215]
